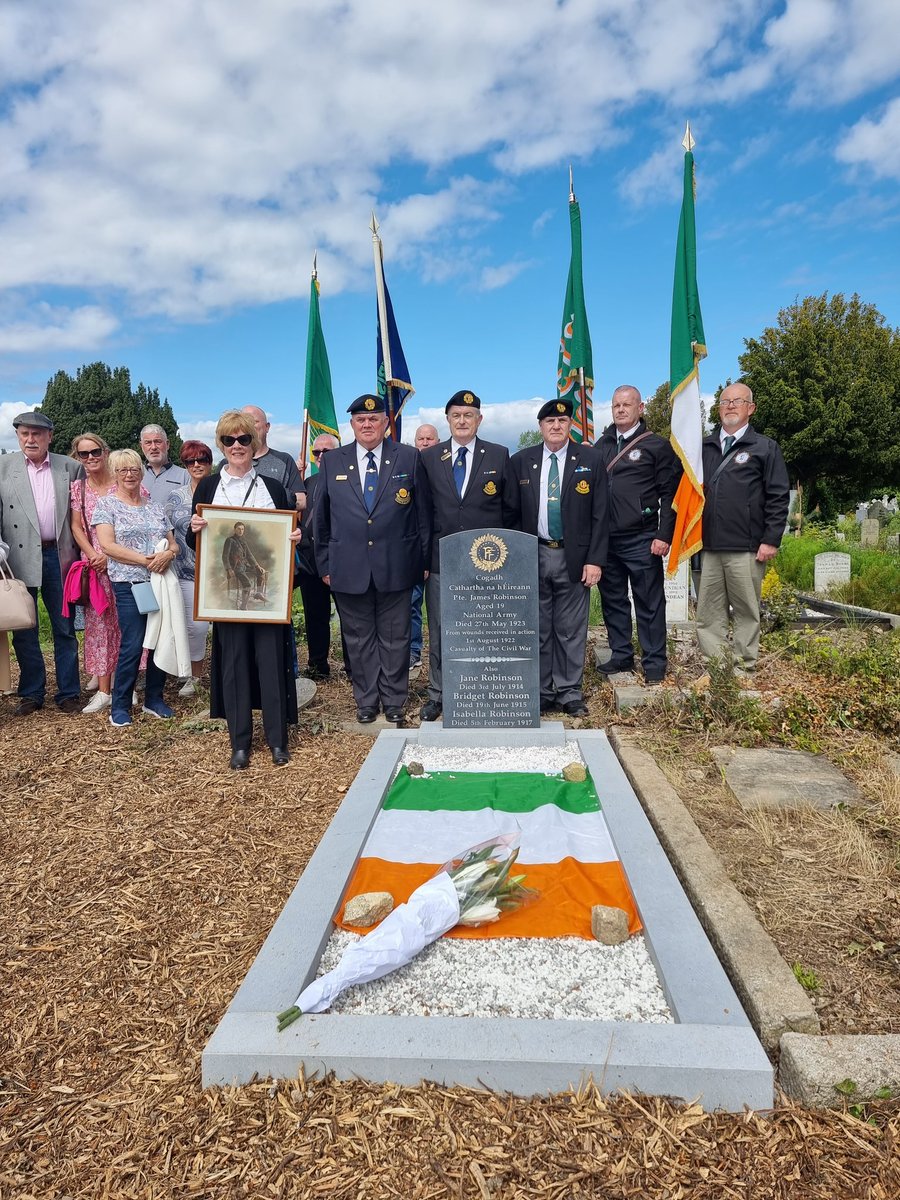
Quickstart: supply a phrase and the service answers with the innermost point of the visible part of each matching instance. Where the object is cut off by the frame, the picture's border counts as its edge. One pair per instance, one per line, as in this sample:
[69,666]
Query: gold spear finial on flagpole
[571,186]
[688,141]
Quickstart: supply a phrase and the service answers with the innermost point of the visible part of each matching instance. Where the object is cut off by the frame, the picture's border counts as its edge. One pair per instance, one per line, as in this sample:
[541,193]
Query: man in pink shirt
[34,522]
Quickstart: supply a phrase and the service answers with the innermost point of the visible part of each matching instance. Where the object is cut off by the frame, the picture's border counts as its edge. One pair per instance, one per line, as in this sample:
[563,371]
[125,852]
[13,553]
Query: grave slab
[370,728]
[306,691]
[711,1051]
[635,696]
[811,1068]
[784,779]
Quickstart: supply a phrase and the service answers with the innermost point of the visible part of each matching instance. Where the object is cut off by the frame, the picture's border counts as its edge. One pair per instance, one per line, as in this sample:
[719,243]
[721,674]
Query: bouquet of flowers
[473,889]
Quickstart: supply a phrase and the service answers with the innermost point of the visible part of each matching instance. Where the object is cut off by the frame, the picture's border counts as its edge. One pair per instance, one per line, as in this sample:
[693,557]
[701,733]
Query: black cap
[462,400]
[367,403]
[556,408]
[35,420]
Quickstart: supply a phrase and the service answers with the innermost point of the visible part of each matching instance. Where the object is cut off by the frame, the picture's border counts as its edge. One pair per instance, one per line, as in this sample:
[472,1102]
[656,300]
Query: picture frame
[244,565]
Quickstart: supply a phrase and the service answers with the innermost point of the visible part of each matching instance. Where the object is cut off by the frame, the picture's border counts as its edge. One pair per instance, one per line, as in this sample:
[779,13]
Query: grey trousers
[433,605]
[730,577]
[376,629]
[563,609]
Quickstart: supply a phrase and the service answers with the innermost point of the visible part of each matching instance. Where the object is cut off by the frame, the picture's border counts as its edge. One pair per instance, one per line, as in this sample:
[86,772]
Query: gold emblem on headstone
[488,552]
[582,487]
[403,496]
[560,408]
[368,404]
[468,398]
[490,488]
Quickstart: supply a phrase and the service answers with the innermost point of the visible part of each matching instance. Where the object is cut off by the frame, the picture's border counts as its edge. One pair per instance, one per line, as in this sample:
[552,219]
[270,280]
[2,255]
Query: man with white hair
[161,477]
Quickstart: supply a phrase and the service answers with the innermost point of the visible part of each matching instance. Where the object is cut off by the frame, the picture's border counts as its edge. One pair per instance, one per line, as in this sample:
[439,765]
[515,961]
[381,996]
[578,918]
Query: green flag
[575,368]
[318,398]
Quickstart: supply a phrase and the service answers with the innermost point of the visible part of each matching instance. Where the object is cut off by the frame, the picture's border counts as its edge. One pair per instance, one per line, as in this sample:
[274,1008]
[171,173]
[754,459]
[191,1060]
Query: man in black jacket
[747,493]
[472,487]
[563,491]
[315,594]
[643,472]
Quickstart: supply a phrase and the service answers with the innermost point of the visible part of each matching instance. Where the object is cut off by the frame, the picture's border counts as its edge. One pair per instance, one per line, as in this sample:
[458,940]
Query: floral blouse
[178,513]
[137,527]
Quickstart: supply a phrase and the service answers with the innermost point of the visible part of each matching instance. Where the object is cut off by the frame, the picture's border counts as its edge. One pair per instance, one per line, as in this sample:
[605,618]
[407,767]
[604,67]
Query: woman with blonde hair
[101,629]
[252,663]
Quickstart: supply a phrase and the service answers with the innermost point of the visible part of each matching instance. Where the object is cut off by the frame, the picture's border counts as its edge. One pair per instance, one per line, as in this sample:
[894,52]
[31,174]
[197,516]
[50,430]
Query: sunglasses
[319,453]
[198,462]
[242,439]
[84,455]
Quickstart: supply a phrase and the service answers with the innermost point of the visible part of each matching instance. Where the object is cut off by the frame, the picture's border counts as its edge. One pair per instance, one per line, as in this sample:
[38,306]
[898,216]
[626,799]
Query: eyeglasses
[197,462]
[84,455]
[242,439]
[129,471]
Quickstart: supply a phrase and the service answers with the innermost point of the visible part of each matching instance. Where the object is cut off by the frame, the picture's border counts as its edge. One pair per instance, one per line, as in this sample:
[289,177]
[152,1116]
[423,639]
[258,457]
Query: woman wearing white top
[251,664]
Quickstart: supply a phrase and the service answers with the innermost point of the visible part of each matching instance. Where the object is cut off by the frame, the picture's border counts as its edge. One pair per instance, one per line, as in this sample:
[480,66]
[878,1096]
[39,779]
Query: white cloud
[875,143]
[492,278]
[658,178]
[52,328]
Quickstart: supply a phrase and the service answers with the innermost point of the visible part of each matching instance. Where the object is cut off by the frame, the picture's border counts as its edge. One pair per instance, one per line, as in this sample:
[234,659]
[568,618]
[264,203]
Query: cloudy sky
[169,169]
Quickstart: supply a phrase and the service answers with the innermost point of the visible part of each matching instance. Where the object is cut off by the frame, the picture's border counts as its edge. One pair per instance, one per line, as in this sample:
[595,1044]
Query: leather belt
[553,545]
[49,545]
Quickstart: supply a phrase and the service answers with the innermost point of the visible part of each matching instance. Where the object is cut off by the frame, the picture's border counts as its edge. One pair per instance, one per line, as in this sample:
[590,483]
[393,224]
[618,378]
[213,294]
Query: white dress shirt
[232,490]
[455,448]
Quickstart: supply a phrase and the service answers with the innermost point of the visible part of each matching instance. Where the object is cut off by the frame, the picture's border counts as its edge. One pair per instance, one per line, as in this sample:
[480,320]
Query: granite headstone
[678,587]
[830,569]
[869,531]
[489,629]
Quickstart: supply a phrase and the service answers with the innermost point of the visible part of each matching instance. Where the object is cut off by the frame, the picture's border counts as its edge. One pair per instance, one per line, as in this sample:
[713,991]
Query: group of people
[371,522]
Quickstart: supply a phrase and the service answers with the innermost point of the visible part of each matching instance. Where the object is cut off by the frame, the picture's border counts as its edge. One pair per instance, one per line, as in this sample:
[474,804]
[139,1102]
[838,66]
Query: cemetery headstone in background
[869,531]
[678,589]
[831,569]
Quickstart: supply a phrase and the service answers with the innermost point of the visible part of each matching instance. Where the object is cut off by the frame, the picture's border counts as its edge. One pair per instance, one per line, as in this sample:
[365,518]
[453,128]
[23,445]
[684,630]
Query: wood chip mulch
[140,877]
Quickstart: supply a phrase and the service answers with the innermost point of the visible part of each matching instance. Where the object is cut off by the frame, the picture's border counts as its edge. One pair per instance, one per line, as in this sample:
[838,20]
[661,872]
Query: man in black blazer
[472,487]
[372,527]
[562,486]
[315,594]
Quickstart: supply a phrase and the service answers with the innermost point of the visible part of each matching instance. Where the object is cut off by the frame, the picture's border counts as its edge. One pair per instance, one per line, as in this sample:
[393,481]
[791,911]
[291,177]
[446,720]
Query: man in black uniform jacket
[472,487]
[643,472]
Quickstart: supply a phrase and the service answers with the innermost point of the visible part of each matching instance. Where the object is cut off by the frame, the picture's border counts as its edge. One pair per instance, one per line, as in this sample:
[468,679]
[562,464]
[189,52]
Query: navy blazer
[389,546]
[583,503]
[491,498]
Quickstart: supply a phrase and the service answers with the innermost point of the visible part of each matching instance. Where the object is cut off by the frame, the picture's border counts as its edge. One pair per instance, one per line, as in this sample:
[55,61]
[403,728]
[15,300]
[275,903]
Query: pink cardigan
[72,589]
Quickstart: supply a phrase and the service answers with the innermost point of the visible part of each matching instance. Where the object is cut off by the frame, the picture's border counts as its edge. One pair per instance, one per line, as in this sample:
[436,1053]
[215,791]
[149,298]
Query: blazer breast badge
[582,487]
[490,488]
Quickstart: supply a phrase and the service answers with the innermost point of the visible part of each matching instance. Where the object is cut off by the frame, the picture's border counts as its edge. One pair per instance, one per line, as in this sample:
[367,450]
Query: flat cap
[556,408]
[34,420]
[367,403]
[463,400]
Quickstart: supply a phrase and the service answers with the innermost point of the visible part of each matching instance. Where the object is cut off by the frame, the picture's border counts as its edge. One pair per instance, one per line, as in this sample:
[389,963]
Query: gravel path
[542,760]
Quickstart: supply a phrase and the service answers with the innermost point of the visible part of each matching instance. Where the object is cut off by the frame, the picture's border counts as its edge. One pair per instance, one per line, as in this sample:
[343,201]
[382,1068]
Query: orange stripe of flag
[687,538]
[568,890]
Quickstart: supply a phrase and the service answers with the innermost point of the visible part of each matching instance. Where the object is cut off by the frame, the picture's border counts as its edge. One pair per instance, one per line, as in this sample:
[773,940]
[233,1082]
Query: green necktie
[729,442]
[554,513]
[620,444]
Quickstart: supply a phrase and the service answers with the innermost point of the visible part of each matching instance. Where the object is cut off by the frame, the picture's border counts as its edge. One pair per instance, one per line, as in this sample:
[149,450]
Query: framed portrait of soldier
[245,565]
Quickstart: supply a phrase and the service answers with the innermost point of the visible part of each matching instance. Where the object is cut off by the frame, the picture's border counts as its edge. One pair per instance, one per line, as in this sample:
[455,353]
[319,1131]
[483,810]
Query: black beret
[556,408]
[34,420]
[462,400]
[367,403]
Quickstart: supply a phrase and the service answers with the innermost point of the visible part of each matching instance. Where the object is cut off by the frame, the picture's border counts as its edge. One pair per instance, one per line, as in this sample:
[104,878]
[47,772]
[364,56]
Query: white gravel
[542,760]
[562,978]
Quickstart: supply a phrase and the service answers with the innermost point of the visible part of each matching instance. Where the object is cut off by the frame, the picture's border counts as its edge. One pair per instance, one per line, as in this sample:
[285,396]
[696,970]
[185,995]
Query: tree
[101,399]
[826,382]
[658,411]
[529,437]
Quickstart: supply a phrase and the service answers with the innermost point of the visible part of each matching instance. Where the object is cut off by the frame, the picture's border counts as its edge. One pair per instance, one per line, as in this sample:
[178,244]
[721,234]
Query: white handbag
[17,609]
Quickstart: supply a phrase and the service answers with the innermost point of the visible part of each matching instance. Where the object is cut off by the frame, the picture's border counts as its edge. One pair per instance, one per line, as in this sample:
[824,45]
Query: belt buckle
[553,545]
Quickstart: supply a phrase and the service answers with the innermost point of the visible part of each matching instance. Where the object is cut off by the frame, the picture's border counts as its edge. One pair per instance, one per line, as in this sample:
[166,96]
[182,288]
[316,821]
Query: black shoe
[394,714]
[71,704]
[616,666]
[575,708]
[280,756]
[548,706]
[366,716]
[654,676]
[318,671]
[27,706]
[240,760]
[431,710]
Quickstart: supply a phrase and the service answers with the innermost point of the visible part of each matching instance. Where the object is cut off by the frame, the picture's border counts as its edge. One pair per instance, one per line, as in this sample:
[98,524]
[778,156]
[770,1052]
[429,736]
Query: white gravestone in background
[830,569]
[869,531]
[678,588]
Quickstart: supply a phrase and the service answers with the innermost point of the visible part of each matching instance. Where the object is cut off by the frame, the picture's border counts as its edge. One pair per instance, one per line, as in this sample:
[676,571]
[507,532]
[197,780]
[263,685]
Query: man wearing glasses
[34,522]
[747,494]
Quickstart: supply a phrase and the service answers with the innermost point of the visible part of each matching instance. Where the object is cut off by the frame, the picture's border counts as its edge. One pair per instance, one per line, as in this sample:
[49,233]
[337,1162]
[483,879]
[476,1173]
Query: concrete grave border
[711,1053]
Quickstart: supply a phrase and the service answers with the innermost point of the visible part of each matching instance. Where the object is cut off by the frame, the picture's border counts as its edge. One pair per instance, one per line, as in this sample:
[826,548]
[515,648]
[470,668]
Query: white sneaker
[98,703]
[92,684]
[189,689]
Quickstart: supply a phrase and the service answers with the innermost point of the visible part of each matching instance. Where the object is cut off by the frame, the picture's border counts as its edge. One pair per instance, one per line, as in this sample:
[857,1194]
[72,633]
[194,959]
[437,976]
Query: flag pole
[378,255]
[304,447]
[582,391]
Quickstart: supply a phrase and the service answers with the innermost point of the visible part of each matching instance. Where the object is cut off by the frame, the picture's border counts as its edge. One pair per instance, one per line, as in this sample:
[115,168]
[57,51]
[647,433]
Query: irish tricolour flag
[565,852]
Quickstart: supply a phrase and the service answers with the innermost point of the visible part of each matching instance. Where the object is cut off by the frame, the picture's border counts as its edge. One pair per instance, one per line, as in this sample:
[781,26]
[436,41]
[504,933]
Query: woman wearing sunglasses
[197,458]
[252,663]
[101,630]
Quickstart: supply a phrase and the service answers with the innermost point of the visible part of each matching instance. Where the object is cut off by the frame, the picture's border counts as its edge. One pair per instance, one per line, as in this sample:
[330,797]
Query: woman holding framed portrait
[242,589]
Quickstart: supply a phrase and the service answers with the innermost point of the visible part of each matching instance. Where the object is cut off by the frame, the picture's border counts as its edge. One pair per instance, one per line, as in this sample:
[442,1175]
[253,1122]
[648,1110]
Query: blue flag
[393,381]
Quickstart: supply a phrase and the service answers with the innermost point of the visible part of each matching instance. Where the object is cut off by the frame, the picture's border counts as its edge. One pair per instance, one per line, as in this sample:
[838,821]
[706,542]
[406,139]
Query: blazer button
[369,522]
[371,543]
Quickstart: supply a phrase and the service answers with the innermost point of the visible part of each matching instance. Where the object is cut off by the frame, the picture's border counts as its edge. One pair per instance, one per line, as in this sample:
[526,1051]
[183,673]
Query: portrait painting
[245,565]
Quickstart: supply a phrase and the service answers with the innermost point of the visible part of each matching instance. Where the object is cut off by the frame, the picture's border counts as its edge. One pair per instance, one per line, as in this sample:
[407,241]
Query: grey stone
[893,543]
[784,779]
[370,728]
[636,696]
[829,1070]
[609,925]
[892,762]
[306,691]
[678,589]
[489,629]
[869,531]
[775,1001]
[840,536]
[830,570]
[415,768]
[368,908]
[575,773]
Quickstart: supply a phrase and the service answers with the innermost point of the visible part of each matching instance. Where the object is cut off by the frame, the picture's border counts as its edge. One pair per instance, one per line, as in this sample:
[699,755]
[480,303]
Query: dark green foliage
[529,437]
[101,399]
[658,411]
[826,382]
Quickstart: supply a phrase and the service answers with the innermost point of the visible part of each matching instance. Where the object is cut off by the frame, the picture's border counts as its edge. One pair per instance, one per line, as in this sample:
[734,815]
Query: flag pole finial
[571,186]
[688,139]
[315,272]
[374,226]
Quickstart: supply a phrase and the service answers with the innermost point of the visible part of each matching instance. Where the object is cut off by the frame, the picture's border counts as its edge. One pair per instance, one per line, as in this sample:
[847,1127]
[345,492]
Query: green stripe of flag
[688,342]
[469,791]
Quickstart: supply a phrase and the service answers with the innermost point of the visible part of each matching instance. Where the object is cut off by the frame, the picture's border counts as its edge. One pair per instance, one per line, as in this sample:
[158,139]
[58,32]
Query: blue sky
[168,171]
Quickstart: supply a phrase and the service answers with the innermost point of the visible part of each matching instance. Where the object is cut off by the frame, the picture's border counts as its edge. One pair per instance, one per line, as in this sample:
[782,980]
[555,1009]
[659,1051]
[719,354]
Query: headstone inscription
[489,629]
[678,588]
[830,569]
[869,531]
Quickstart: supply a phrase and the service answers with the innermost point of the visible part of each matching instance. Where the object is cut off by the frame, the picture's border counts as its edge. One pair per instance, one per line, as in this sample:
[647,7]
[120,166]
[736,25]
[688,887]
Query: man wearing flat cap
[372,528]
[472,487]
[562,487]
[34,522]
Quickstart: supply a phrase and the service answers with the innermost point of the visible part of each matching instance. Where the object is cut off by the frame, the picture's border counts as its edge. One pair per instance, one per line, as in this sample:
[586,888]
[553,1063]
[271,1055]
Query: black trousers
[316,597]
[629,559]
[376,628]
[251,660]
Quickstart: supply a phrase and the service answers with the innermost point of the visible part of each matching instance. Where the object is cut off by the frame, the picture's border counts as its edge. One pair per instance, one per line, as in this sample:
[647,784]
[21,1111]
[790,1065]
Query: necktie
[370,482]
[729,442]
[554,512]
[620,444]
[459,470]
